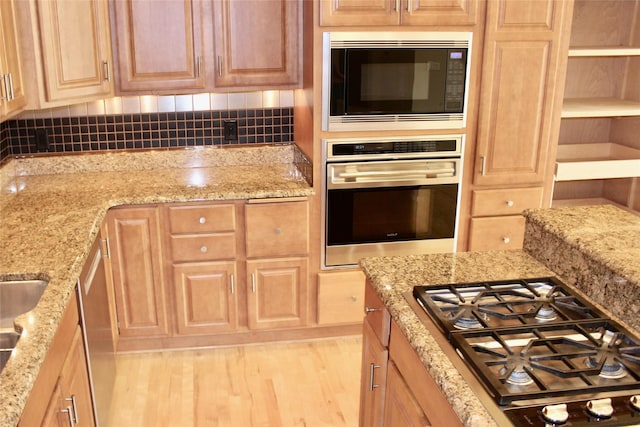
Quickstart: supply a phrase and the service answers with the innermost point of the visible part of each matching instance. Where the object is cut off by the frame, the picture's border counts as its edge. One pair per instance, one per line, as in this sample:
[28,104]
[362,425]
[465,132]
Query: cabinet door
[74,382]
[520,93]
[400,407]
[373,378]
[277,294]
[258,42]
[136,262]
[359,12]
[12,93]
[439,12]
[76,53]
[206,300]
[160,45]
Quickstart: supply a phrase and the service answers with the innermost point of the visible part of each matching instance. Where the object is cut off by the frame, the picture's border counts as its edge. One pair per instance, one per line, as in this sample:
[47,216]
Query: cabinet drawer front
[496,233]
[510,201]
[277,229]
[203,247]
[376,314]
[202,219]
[340,297]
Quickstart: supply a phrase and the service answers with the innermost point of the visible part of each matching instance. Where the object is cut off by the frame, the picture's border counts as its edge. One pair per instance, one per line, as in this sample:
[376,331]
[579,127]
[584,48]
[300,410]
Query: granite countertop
[51,210]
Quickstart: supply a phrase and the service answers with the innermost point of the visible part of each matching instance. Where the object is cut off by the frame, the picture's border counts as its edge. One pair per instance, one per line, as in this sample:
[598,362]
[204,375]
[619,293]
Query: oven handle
[430,173]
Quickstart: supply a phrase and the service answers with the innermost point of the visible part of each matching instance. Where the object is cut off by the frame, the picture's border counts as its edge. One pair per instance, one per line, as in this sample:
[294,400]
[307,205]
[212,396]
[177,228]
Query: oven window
[391,214]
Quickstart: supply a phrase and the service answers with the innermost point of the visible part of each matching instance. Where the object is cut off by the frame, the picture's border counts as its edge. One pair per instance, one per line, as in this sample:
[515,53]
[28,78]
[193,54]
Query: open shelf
[602,51]
[596,161]
[599,107]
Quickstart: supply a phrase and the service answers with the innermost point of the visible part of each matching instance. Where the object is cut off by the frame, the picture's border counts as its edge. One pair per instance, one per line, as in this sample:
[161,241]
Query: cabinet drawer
[376,314]
[496,233]
[509,201]
[202,219]
[340,297]
[203,247]
[277,229]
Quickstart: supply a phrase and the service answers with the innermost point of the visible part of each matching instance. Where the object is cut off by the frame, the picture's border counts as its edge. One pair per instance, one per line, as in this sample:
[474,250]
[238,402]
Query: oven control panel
[610,411]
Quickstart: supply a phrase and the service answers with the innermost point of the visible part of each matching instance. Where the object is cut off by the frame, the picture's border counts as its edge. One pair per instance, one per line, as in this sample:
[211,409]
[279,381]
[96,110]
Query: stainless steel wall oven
[390,196]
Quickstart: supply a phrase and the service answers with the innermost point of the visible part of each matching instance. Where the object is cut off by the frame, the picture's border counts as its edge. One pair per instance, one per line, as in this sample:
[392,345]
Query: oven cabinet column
[202,252]
[62,386]
[395,12]
[375,356]
[523,65]
[277,250]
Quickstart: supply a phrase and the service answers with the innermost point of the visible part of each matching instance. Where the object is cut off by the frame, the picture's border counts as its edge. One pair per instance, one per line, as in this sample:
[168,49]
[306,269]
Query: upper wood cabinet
[66,47]
[521,90]
[12,96]
[398,12]
[257,42]
[161,45]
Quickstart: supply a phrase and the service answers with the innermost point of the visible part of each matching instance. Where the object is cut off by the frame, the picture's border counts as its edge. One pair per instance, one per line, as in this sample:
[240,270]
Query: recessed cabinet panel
[257,42]
[277,229]
[160,44]
[206,300]
[526,15]
[358,12]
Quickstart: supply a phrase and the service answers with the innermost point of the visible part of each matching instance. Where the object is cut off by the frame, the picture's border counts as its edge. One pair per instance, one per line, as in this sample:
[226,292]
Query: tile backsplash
[148,122]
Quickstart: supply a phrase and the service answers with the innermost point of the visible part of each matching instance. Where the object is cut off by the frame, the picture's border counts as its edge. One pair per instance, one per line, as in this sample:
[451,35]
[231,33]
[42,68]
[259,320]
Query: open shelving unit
[598,156]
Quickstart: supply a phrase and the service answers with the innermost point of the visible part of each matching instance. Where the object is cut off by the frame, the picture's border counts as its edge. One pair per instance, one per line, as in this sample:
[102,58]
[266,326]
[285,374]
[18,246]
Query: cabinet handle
[506,240]
[372,368]
[74,406]
[510,203]
[232,284]
[198,62]
[219,66]
[106,251]
[6,88]
[396,5]
[409,6]
[253,283]
[203,249]
[483,163]
[105,67]
[202,220]
[12,94]
[371,310]
[70,415]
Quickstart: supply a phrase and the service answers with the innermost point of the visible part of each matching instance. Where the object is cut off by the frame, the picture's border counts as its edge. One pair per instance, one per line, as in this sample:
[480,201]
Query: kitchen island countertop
[51,210]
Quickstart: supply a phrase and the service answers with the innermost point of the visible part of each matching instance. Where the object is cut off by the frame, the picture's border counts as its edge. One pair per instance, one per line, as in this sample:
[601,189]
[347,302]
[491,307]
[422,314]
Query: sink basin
[8,341]
[18,297]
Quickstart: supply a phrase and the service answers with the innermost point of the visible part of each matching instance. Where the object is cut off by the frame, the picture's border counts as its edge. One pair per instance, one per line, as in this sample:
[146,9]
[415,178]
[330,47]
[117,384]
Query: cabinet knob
[354,298]
[202,220]
[510,203]
[506,240]
[203,249]
[278,230]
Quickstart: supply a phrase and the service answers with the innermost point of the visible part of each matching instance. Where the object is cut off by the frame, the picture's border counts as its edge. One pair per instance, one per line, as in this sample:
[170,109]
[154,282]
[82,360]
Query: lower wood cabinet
[340,297]
[396,389]
[61,395]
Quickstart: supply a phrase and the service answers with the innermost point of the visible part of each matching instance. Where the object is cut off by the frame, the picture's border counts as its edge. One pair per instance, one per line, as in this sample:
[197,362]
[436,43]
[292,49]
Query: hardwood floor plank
[306,384]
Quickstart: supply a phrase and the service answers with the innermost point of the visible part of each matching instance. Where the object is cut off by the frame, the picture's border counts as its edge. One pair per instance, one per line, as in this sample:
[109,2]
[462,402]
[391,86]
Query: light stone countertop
[51,210]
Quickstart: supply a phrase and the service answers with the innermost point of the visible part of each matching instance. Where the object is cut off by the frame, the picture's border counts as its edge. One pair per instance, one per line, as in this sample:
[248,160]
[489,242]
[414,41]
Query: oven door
[390,208]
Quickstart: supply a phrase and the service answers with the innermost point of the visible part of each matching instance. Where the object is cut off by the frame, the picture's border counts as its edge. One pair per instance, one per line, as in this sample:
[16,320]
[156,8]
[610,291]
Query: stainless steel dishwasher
[97,326]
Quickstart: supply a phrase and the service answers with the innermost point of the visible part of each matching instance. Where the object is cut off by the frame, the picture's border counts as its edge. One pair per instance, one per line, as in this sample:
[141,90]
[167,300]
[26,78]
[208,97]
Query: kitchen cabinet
[520,99]
[66,46]
[340,297]
[61,393]
[375,355]
[137,266]
[598,156]
[12,96]
[203,252]
[277,249]
[395,387]
[258,43]
[398,12]
[161,46]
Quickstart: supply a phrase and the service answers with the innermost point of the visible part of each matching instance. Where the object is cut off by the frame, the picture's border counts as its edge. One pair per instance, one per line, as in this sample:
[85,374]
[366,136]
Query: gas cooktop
[546,355]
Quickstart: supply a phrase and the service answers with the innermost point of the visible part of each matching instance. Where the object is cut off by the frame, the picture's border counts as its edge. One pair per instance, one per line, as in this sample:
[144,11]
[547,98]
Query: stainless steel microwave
[395,80]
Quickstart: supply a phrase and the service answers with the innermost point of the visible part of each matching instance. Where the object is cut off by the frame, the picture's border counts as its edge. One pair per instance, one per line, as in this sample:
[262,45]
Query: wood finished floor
[312,384]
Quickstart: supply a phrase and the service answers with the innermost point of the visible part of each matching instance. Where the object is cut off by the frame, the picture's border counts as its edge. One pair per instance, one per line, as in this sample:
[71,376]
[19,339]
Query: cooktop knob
[635,402]
[600,408]
[556,414]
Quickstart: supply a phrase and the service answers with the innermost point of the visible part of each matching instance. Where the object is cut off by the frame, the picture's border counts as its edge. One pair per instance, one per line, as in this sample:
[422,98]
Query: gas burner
[517,376]
[605,359]
[611,369]
[464,318]
[546,313]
